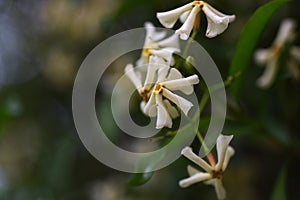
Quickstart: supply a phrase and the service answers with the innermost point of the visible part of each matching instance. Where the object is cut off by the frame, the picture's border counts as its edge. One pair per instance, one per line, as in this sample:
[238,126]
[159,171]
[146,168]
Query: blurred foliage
[42,44]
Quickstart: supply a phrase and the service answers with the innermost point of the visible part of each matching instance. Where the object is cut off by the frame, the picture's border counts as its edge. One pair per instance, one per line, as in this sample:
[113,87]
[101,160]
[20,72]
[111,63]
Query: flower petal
[268,77]
[151,70]
[149,108]
[163,117]
[228,155]
[194,179]
[187,152]
[286,32]
[220,190]
[165,53]
[182,103]
[217,22]
[133,76]
[183,84]
[162,74]
[171,109]
[152,34]
[186,29]
[262,56]
[169,18]
[222,146]
[172,41]
[184,16]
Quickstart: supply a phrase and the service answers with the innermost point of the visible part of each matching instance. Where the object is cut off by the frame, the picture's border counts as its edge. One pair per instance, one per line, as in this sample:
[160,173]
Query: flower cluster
[270,57]
[157,86]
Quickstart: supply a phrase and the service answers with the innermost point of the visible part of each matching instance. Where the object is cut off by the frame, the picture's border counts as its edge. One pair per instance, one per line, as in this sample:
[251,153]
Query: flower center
[198,3]
[146,52]
[217,174]
[158,88]
[144,94]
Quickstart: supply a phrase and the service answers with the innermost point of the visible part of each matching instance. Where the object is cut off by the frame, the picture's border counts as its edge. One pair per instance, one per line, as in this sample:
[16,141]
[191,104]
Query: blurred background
[42,45]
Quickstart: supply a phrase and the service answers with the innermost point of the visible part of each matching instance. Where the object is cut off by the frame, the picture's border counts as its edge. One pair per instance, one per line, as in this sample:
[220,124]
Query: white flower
[217,21]
[156,91]
[213,173]
[155,45]
[270,57]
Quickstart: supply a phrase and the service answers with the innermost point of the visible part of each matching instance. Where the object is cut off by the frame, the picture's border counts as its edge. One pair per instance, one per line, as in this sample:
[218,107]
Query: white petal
[132,75]
[187,152]
[184,16]
[286,32]
[222,146]
[183,84]
[262,56]
[169,18]
[165,53]
[151,33]
[268,77]
[228,155]
[172,41]
[186,29]
[194,179]
[217,22]
[182,103]
[149,108]
[151,70]
[220,190]
[162,73]
[163,117]
[174,74]
[192,170]
[171,109]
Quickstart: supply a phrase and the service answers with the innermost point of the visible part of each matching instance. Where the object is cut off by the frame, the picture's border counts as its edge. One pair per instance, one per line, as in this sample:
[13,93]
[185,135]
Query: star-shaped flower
[217,21]
[213,172]
[156,44]
[270,57]
[157,90]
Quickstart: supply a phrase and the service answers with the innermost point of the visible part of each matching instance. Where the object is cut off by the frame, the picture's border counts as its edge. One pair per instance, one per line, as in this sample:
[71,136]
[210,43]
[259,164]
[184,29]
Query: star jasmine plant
[157,91]
[157,44]
[217,22]
[213,172]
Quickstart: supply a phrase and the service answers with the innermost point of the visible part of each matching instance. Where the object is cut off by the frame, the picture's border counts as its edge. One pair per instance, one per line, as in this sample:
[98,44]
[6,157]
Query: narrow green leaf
[279,190]
[248,39]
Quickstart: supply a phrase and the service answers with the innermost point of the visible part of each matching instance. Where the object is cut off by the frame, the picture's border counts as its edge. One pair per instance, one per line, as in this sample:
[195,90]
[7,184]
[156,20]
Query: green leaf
[140,178]
[248,39]
[279,190]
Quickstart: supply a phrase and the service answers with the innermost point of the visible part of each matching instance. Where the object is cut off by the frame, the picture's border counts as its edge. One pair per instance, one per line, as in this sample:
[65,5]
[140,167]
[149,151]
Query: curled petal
[172,41]
[228,155]
[149,108]
[133,76]
[182,103]
[163,117]
[165,53]
[174,74]
[183,84]
[171,109]
[152,34]
[262,56]
[222,146]
[184,16]
[162,73]
[268,77]
[187,152]
[286,32]
[169,18]
[151,70]
[217,22]
[194,179]
[186,29]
